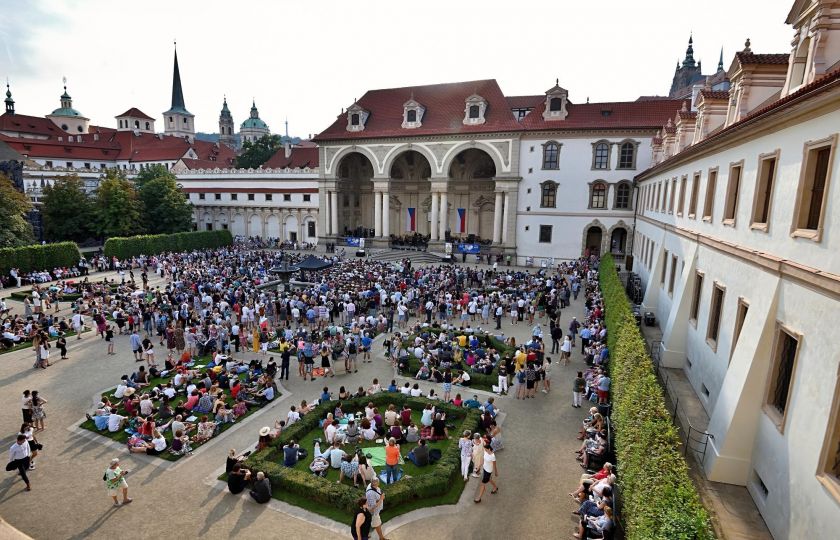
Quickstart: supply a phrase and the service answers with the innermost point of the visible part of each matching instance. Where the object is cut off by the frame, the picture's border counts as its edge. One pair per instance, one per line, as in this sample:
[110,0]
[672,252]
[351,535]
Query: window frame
[234,196]
[763,195]
[663,273]
[619,185]
[595,146]
[694,311]
[672,195]
[673,277]
[806,170]
[681,200]
[635,150]
[779,418]
[716,312]
[269,197]
[546,146]
[592,194]
[552,185]
[695,194]
[733,191]
[741,311]
[550,229]
[711,190]
[287,197]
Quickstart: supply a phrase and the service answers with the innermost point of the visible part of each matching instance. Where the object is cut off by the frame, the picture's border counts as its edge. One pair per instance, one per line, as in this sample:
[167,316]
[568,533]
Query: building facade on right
[737,241]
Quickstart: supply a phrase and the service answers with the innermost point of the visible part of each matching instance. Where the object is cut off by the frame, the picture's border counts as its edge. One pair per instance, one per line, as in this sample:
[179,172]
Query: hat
[265,431]
[128,392]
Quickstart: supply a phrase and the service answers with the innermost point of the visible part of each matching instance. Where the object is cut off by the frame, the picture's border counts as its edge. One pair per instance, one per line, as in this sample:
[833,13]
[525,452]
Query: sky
[305,60]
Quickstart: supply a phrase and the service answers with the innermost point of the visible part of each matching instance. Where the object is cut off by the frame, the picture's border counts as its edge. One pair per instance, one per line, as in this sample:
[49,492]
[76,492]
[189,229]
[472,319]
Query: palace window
[548,198]
[234,196]
[601,156]
[785,350]
[474,110]
[551,155]
[664,270]
[740,317]
[545,234]
[695,300]
[287,197]
[709,206]
[250,196]
[811,200]
[672,195]
[733,187]
[673,276]
[269,197]
[307,197]
[681,204]
[201,196]
[598,196]
[627,156]
[622,196]
[713,329]
[354,119]
[765,179]
[411,116]
[217,196]
[695,193]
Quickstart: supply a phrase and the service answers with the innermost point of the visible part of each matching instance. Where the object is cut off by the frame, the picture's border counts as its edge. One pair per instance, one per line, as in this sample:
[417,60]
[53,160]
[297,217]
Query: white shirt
[292,417]
[489,460]
[120,391]
[114,422]
[19,451]
[159,444]
[330,432]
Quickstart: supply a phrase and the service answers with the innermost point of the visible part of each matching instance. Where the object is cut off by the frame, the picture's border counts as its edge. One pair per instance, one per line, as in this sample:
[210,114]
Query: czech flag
[462,220]
[411,222]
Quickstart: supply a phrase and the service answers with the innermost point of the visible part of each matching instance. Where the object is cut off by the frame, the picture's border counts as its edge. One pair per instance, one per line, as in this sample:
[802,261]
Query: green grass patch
[28,345]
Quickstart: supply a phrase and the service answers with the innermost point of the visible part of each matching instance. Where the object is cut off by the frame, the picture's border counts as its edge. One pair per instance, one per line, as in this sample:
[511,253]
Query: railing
[695,439]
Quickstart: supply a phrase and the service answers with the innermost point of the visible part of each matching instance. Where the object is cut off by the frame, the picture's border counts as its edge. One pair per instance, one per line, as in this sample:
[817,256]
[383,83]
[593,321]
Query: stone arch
[272,226]
[255,225]
[337,158]
[619,232]
[490,150]
[291,225]
[237,225]
[393,154]
[598,240]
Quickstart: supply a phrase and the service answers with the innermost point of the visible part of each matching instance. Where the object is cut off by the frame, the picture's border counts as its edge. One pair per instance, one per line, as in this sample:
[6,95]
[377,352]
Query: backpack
[521,376]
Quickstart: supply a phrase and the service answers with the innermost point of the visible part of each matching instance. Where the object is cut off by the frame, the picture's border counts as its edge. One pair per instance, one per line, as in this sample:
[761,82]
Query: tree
[150,172]
[14,229]
[165,208]
[258,152]
[67,210]
[117,206]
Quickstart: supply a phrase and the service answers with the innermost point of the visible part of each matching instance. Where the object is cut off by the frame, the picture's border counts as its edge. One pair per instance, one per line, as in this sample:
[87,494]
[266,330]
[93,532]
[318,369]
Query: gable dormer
[816,43]
[412,114]
[474,111]
[555,102]
[356,117]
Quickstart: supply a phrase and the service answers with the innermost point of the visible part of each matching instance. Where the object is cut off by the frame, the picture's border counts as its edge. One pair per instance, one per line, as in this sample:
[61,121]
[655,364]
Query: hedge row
[437,482]
[659,499]
[153,244]
[39,257]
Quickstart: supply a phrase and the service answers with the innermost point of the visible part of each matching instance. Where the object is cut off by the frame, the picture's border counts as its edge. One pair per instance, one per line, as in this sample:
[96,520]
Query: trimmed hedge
[39,257]
[659,499]
[153,244]
[438,481]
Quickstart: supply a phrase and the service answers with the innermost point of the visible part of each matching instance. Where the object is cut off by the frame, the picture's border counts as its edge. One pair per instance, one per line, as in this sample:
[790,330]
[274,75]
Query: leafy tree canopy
[258,152]
[117,206]
[165,207]
[14,229]
[67,210]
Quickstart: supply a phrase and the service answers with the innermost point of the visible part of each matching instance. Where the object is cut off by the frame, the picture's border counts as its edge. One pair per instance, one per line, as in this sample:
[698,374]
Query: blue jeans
[390,472]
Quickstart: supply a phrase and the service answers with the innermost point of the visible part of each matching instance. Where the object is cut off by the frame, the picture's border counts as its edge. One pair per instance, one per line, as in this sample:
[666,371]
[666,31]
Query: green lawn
[122,436]
[28,345]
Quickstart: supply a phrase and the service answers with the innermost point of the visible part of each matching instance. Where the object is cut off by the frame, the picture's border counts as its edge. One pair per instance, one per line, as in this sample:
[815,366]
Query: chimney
[288,149]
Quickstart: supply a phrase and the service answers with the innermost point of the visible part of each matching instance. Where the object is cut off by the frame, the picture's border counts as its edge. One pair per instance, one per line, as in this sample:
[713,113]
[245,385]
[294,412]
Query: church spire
[10,103]
[177,91]
[720,61]
[689,53]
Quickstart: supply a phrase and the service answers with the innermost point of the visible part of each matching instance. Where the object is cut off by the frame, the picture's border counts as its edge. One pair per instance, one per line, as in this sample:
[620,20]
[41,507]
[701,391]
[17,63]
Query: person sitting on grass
[368,433]
[396,432]
[153,448]
[180,444]
[238,478]
[472,403]
[206,430]
[290,453]
[205,404]
[412,434]
[419,455]
[262,489]
[405,415]
[349,469]
[439,429]
[334,453]
[352,433]
[428,415]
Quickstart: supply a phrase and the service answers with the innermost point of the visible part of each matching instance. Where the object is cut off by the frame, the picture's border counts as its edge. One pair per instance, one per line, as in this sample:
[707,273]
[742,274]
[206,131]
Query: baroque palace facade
[738,246]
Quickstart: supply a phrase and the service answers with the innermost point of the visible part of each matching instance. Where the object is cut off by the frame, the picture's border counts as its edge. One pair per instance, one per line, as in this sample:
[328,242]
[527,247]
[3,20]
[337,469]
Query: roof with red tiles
[525,102]
[31,125]
[50,148]
[444,104]
[753,58]
[299,158]
[714,94]
[611,115]
[134,112]
[687,114]
[823,84]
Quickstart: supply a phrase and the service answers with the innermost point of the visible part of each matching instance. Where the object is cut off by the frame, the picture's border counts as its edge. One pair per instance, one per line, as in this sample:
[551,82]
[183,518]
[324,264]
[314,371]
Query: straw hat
[129,392]
[265,431]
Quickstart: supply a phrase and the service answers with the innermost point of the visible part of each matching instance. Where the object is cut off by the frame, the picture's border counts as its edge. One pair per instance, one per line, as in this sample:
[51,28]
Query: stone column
[444,214]
[334,212]
[386,214]
[327,209]
[497,218]
[506,218]
[435,218]
[377,213]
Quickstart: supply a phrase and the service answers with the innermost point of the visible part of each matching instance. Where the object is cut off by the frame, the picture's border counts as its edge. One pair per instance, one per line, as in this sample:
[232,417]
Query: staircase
[416,257]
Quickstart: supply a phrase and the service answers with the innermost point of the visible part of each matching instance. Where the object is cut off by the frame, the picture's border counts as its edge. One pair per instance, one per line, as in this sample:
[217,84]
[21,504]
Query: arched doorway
[255,225]
[272,226]
[237,227]
[355,196]
[618,240]
[474,170]
[207,221]
[291,227]
[409,188]
[593,241]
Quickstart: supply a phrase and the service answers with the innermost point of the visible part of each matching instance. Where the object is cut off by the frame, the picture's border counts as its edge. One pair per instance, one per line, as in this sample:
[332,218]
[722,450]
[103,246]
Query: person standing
[360,526]
[109,338]
[61,344]
[490,470]
[466,446]
[19,454]
[136,345]
[375,501]
[38,413]
[26,406]
[114,478]
[578,387]
[573,329]
[566,350]
[78,322]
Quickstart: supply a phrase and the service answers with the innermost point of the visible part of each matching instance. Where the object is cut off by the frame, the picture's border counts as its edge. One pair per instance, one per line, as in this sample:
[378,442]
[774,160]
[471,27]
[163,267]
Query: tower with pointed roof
[253,128]
[687,73]
[10,103]
[67,118]
[178,121]
[226,135]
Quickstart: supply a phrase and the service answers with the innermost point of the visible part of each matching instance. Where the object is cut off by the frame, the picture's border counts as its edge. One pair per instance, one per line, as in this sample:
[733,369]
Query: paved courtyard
[69,500]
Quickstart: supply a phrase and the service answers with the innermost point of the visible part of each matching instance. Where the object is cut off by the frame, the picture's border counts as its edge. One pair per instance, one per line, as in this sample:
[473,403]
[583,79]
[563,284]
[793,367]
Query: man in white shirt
[78,322]
[119,393]
[115,422]
[19,456]
[292,417]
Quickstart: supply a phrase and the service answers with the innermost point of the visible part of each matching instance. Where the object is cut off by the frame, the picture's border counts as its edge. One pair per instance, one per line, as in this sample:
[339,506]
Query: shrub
[39,257]
[659,499]
[131,246]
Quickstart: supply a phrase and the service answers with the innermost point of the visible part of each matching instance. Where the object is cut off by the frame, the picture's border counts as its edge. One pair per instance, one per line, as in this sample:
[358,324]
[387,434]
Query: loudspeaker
[628,263]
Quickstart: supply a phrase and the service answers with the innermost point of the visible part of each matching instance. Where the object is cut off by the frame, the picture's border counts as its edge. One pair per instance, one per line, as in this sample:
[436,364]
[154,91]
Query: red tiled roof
[300,158]
[622,115]
[823,84]
[687,114]
[102,149]
[714,94]
[32,125]
[753,58]
[525,102]
[134,112]
[444,103]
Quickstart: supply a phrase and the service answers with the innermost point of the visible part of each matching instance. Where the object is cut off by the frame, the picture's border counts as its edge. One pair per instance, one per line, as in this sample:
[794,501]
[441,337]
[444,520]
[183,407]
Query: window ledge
[707,219]
[712,344]
[692,216]
[831,484]
[759,227]
[809,234]
[600,168]
[728,222]
[775,416]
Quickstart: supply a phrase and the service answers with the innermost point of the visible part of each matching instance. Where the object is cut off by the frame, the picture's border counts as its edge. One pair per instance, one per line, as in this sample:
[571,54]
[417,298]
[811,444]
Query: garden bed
[122,437]
[433,485]
[28,345]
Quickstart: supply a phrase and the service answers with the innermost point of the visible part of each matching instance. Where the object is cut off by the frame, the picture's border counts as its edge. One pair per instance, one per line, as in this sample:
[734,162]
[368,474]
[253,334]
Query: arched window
[137,124]
[148,126]
[622,196]
[627,156]
[598,195]
[551,152]
[555,104]
[548,198]
[601,156]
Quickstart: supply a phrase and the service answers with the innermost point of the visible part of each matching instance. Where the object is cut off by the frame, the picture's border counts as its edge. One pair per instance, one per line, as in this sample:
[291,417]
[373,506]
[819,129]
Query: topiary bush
[153,244]
[658,498]
[39,257]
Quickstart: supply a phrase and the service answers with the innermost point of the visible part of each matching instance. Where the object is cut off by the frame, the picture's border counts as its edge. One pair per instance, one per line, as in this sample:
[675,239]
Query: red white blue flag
[462,220]
[411,222]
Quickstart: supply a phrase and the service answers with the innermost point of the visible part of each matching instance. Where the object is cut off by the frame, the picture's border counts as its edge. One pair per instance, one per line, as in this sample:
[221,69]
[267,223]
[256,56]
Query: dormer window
[356,118]
[476,107]
[556,100]
[412,114]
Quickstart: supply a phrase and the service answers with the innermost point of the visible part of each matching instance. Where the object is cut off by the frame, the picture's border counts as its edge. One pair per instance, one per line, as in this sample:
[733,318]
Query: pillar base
[726,469]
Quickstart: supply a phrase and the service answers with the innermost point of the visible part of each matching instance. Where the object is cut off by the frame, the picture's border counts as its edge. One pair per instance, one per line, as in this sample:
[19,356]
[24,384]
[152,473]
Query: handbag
[10,466]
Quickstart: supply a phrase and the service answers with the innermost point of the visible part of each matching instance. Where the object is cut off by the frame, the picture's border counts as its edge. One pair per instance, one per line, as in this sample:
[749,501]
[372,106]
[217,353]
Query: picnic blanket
[377,456]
